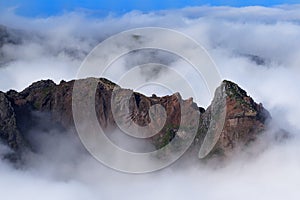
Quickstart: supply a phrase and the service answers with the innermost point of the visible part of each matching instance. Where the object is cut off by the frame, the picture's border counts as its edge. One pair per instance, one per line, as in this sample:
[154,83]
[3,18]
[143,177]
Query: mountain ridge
[244,118]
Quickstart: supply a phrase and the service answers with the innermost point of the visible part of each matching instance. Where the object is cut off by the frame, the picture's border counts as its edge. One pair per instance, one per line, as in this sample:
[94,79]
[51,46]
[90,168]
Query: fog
[256,47]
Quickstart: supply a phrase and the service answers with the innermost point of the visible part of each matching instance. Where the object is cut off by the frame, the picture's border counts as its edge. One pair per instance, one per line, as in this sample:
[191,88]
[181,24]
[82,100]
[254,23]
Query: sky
[236,38]
[36,8]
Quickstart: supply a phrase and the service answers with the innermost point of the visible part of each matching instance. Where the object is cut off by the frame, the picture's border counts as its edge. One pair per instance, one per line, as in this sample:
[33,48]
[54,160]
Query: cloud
[66,172]
[54,47]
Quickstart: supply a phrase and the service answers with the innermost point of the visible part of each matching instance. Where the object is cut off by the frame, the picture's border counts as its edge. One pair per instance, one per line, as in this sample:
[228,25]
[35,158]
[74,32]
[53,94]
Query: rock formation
[243,118]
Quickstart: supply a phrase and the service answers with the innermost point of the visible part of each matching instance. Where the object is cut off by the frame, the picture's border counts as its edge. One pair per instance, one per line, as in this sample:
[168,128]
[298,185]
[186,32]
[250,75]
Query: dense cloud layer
[257,47]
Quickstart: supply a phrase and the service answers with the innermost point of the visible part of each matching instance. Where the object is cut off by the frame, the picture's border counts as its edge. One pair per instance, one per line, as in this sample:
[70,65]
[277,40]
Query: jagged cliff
[244,119]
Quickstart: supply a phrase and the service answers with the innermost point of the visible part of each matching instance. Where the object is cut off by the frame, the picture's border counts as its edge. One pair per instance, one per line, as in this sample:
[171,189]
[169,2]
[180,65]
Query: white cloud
[54,48]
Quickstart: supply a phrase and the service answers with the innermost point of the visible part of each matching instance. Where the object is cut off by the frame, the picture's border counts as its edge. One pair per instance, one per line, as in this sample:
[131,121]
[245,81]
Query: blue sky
[34,8]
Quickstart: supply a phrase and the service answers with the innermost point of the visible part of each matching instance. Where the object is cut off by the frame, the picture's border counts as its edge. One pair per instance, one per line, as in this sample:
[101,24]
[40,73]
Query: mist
[256,47]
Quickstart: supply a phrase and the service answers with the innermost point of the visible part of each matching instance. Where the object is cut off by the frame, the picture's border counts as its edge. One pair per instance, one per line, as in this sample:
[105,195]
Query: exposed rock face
[243,118]
[9,133]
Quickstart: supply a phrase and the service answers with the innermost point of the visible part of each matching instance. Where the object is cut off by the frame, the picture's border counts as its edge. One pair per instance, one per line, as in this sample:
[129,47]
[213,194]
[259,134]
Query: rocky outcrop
[232,119]
[240,123]
[9,133]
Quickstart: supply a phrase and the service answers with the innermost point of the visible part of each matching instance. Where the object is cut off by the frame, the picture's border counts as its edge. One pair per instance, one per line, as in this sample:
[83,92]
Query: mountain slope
[44,101]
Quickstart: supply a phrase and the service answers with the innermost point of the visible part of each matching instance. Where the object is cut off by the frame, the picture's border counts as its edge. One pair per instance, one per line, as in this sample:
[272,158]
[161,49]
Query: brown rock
[9,133]
[244,119]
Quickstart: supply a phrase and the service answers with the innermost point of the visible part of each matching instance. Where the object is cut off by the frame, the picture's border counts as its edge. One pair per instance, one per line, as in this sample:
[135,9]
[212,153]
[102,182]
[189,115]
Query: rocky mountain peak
[233,118]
